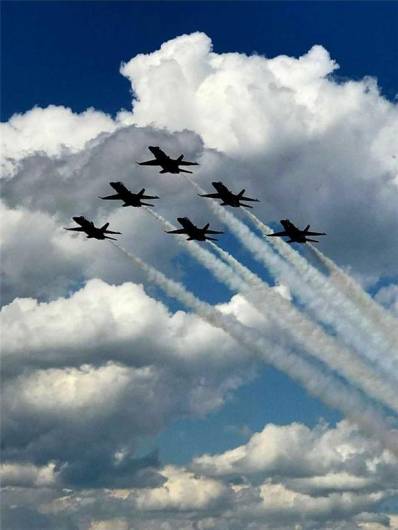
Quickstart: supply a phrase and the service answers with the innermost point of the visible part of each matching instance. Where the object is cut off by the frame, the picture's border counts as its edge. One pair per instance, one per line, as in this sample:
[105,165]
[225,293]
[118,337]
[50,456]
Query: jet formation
[225,195]
[168,165]
[91,230]
[194,232]
[228,198]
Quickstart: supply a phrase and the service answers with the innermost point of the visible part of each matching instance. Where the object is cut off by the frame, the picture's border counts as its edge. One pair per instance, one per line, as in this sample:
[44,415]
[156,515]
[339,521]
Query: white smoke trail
[320,305]
[355,292]
[308,334]
[339,300]
[327,388]
[284,315]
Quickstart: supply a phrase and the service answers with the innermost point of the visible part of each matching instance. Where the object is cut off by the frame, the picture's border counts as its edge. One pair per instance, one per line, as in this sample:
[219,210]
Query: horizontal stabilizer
[248,199]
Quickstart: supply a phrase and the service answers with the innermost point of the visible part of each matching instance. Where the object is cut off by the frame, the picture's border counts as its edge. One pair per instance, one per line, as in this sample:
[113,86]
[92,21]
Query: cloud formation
[340,480]
[93,364]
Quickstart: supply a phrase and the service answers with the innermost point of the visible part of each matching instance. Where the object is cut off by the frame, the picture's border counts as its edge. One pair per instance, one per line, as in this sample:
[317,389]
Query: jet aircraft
[129,198]
[194,232]
[295,234]
[168,165]
[229,198]
[91,230]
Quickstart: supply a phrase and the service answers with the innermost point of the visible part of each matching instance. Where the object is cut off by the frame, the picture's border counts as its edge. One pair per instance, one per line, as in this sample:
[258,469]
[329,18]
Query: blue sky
[69,54]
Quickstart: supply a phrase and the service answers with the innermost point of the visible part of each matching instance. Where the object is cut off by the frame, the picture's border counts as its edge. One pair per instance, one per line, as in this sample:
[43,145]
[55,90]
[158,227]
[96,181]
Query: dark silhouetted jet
[129,198]
[194,232]
[229,198]
[91,230]
[167,164]
[295,234]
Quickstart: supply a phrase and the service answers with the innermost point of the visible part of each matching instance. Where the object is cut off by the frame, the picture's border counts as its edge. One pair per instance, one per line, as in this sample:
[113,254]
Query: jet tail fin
[103,228]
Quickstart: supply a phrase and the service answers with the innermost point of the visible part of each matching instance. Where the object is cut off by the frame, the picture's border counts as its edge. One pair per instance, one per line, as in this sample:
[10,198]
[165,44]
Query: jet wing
[185,163]
[149,197]
[315,233]
[77,229]
[213,232]
[278,234]
[186,223]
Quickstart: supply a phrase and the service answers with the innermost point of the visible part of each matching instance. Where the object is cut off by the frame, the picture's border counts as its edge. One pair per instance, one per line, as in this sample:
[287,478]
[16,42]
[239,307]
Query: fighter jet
[295,234]
[167,164]
[194,232]
[91,230]
[229,198]
[129,198]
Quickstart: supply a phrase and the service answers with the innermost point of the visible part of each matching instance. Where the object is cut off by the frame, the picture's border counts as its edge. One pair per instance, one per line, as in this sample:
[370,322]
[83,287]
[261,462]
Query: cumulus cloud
[93,364]
[50,130]
[388,296]
[318,496]
[314,149]
[109,366]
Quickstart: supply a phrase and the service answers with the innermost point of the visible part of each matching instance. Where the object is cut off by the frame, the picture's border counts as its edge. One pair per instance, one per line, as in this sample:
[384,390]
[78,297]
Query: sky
[117,396]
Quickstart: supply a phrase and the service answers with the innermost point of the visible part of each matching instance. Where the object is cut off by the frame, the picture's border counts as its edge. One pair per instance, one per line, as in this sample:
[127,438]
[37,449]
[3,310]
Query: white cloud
[87,366]
[313,149]
[27,475]
[50,130]
[388,296]
[89,374]
[193,500]
[182,491]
